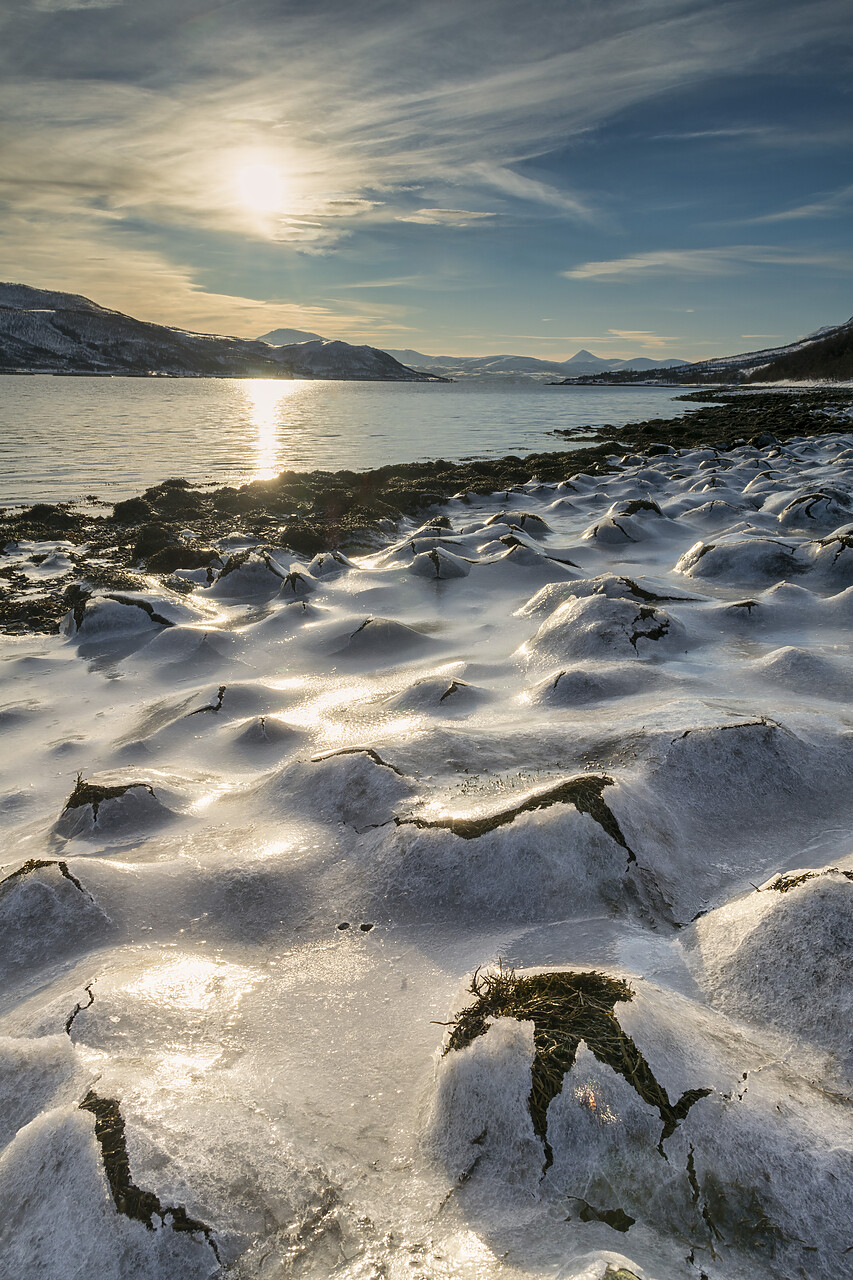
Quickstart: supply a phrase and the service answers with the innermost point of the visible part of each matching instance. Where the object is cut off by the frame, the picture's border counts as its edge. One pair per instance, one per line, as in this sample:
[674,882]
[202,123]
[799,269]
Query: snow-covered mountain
[826,353]
[43,331]
[582,362]
[286,337]
[326,358]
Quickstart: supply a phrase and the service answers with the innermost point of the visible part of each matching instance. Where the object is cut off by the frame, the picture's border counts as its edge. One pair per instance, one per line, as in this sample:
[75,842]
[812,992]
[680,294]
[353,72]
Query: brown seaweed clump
[565,1009]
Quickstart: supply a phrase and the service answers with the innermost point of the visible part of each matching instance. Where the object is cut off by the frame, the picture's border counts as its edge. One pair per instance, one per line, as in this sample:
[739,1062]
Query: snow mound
[780,958]
[598,626]
[46,913]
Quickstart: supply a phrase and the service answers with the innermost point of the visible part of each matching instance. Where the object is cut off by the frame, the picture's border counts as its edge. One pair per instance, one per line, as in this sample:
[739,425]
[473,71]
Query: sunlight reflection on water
[265,397]
[63,438]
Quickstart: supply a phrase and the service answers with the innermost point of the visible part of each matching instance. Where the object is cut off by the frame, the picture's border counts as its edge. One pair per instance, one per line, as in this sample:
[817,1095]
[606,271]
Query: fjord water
[64,438]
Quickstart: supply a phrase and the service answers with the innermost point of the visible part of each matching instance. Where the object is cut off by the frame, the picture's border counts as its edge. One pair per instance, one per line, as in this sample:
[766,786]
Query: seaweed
[783,884]
[453,687]
[618,1219]
[129,1199]
[36,864]
[565,1009]
[357,751]
[583,792]
[95,794]
[654,633]
[212,706]
[635,505]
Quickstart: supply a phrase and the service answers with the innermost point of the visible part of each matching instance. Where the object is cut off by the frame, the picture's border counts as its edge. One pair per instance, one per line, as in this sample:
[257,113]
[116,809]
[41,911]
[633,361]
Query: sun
[261,187]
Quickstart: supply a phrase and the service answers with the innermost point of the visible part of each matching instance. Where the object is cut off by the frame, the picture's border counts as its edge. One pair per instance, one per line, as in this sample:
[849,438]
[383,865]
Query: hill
[826,355]
[582,362]
[44,331]
[286,337]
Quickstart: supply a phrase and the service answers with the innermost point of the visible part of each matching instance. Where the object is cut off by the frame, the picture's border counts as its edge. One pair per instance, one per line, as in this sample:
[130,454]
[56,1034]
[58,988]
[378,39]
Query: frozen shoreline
[177,525]
[406,743]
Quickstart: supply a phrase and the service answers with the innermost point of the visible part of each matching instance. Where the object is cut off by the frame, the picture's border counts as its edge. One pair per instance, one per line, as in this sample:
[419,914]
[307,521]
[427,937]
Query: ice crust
[602,724]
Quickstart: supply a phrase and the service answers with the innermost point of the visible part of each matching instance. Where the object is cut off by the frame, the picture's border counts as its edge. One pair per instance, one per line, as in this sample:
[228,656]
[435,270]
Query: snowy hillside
[582,362]
[809,357]
[42,331]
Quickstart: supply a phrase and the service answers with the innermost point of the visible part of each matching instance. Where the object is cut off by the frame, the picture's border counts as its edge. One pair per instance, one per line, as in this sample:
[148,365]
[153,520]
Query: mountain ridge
[825,354]
[477,366]
[47,331]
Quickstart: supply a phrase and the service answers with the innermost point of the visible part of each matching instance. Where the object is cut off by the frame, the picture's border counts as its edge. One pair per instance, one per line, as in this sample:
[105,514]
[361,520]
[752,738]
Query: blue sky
[665,178]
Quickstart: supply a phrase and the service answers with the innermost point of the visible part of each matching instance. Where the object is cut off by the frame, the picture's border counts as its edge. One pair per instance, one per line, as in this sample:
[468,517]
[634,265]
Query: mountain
[825,354]
[503,366]
[582,362]
[43,331]
[286,337]
[641,363]
[324,358]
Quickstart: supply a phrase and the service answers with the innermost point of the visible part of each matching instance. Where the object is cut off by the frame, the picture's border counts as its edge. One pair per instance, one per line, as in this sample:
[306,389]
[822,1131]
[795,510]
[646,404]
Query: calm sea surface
[64,438]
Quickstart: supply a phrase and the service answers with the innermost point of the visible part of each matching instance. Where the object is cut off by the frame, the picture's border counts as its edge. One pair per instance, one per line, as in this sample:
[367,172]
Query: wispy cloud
[838,202]
[58,6]
[514,184]
[645,338]
[750,132]
[389,282]
[444,217]
[147,114]
[704,262]
[160,108]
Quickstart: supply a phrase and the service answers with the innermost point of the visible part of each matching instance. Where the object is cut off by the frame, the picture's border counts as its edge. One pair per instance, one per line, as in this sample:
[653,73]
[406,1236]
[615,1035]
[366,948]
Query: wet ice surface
[603,724]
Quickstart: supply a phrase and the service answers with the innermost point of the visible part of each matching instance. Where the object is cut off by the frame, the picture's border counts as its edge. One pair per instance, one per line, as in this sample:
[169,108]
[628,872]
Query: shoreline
[312,512]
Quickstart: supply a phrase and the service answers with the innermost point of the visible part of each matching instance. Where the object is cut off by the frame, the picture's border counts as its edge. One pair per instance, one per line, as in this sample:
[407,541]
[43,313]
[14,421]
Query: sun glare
[265,398]
[261,187]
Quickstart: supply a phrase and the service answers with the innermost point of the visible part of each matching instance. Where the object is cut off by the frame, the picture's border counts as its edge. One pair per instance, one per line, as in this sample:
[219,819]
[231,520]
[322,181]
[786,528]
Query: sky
[665,178]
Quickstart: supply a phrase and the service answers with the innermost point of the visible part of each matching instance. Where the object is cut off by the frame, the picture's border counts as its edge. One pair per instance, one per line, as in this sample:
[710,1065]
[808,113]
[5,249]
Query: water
[65,438]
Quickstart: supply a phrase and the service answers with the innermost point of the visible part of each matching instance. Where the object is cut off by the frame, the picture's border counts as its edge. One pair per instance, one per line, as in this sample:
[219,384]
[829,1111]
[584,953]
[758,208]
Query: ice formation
[259,833]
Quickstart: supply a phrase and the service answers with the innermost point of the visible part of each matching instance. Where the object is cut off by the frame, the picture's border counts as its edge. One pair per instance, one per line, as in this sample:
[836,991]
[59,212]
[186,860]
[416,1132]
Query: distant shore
[316,511]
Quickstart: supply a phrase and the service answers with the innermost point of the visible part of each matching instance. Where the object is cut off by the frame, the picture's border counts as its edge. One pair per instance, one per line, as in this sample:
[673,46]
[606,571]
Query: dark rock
[131,511]
[151,538]
[170,558]
[49,515]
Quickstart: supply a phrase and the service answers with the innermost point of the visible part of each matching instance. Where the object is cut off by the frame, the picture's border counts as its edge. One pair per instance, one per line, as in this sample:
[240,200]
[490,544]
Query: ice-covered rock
[250,576]
[105,811]
[779,958]
[46,914]
[440,563]
[599,626]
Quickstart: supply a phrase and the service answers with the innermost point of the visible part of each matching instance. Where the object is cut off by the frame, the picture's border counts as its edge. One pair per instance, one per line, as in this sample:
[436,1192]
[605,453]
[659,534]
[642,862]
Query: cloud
[444,217]
[644,337]
[836,203]
[161,103]
[144,115]
[694,135]
[530,189]
[392,282]
[703,262]
[151,287]
[58,6]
